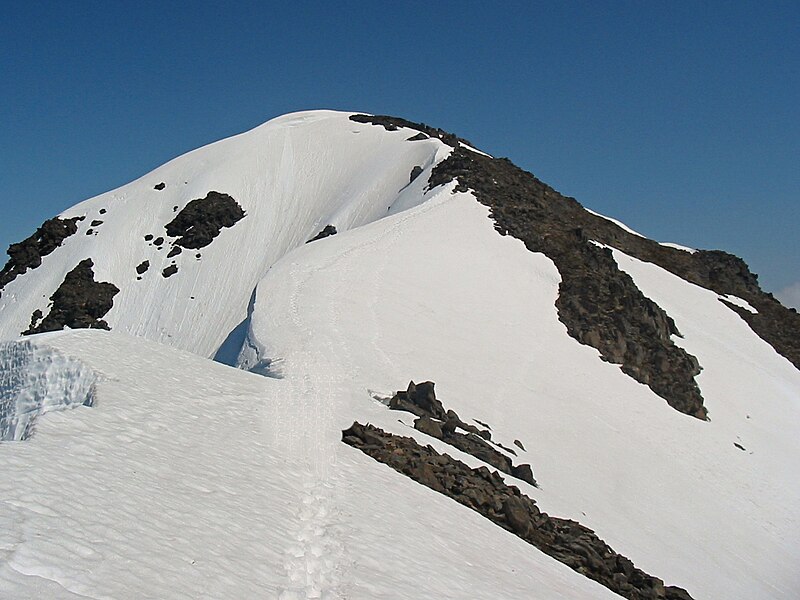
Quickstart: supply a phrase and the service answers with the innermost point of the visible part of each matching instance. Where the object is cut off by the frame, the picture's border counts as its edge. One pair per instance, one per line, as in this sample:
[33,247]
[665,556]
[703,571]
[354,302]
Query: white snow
[420,296]
[619,224]
[36,380]
[293,176]
[678,247]
[190,479]
[738,302]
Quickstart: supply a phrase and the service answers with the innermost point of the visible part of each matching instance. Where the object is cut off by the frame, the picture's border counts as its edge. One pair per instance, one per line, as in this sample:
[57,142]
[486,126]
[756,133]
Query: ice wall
[35,380]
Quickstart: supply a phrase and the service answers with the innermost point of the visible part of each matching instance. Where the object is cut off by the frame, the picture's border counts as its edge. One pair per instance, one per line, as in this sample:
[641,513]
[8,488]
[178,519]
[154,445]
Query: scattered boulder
[159,186]
[159,241]
[148,237]
[169,271]
[420,399]
[202,219]
[519,445]
[485,492]
[415,172]
[96,223]
[102,211]
[79,302]
[328,230]
[142,267]
[28,253]
[174,251]
[89,231]
[429,426]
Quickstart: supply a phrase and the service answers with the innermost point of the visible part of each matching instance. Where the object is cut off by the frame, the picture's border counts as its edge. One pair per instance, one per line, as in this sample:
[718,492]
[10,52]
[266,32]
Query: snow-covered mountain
[652,389]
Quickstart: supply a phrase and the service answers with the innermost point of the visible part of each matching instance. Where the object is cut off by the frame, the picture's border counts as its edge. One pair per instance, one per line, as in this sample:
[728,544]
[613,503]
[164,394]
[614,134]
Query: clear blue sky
[680,119]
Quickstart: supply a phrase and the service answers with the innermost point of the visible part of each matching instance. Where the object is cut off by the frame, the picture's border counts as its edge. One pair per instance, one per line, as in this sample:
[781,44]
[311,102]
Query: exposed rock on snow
[434,421]
[28,253]
[487,493]
[79,302]
[326,231]
[395,123]
[200,221]
[599,303]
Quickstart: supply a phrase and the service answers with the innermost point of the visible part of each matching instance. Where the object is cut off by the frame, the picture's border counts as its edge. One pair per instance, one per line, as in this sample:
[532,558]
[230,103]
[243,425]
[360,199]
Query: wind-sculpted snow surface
[420,295]
[291,177]
[35,380]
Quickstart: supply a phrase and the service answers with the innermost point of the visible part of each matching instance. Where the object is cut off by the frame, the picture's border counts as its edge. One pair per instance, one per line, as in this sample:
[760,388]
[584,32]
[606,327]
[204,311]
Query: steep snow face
[435,293]
[35,380]
[291,176]
[190,479]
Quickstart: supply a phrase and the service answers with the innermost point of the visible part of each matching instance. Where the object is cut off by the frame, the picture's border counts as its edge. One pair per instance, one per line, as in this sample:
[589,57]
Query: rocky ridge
[28,253]
[486,492]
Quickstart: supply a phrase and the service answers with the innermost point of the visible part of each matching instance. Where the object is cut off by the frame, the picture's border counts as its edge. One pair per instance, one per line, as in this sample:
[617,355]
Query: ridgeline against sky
[679,119]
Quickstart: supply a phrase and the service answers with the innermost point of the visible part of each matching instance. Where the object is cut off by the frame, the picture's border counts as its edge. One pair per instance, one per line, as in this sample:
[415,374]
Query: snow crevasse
[35,380]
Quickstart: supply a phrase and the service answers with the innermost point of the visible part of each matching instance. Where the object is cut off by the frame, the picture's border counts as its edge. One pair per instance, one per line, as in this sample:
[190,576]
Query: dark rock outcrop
[328,230]
[420,399]
[169,271]
[598,302]
[80,302]
[395,123]
[415,172]
[485,492]
[142,267]
[202,219]
[159,186]
[28,253]
[174,251]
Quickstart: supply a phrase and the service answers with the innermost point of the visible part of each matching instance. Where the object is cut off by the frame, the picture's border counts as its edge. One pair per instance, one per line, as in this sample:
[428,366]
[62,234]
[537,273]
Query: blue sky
[680,119]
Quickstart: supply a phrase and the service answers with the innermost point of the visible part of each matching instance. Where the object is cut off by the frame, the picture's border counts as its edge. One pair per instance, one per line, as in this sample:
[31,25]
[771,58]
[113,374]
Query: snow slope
[419,295]
[191,479]
[292,176]
[180,483]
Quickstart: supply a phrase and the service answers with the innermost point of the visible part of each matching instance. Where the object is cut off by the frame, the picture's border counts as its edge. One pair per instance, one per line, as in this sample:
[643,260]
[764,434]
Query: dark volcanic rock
[169,271]
[599,303]
[142,267]
[174,251]
[415,172]
[395,123]
[201,220]
[79,302]
[96,223]
[328,230]
[159,186]
[417,137]
[36,316]
[159,241]
[28,253]
[485,492]
[148,237]
[420,399]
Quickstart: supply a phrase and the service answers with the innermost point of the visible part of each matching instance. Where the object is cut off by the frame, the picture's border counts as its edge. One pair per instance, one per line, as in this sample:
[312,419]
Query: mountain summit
[611,416]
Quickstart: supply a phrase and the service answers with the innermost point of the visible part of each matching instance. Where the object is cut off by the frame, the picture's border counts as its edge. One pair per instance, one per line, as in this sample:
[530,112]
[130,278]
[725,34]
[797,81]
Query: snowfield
[187,478]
